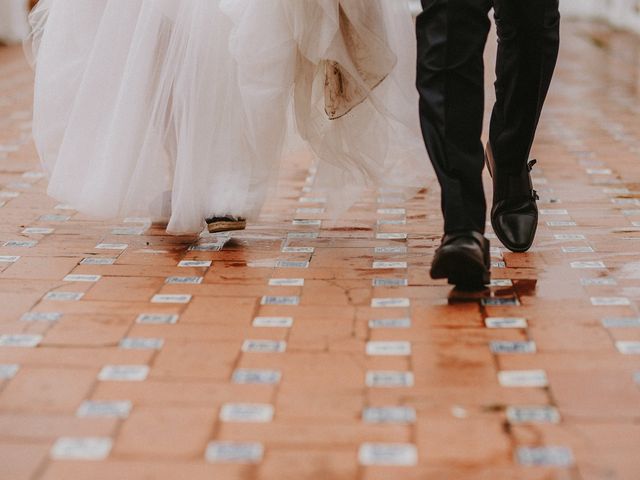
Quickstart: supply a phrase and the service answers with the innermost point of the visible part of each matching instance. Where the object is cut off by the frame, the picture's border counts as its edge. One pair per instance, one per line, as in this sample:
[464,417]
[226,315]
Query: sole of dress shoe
[226,226]
[460,270]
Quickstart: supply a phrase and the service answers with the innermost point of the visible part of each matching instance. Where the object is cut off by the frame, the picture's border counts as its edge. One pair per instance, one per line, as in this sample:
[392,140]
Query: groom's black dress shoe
[463,259]
[514,214]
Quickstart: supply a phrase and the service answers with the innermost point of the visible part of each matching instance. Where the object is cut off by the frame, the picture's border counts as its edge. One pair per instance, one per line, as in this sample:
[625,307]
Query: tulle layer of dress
[180,109]
[13,21]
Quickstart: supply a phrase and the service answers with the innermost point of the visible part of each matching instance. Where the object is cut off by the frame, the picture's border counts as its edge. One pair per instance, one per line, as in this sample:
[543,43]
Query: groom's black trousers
[451,38]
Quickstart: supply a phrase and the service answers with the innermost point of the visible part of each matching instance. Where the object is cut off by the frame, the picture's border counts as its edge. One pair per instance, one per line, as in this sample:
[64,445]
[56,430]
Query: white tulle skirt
[179,109]
[13,21]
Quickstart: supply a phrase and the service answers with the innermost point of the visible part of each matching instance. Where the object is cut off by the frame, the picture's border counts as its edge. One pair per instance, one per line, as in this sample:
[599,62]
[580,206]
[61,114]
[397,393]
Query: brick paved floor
[295,355]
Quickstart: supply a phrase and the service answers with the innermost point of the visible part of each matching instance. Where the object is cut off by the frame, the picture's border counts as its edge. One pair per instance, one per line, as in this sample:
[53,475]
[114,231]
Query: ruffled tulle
[179,109]
[13,21]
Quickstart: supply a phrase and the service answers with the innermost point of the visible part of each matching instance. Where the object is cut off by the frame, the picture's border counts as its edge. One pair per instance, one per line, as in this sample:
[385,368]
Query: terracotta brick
[47,390]
[165,432]
[149,470]
[20,461]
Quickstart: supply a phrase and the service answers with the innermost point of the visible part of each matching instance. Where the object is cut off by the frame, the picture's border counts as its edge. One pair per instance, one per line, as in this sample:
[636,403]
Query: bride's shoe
[225,224]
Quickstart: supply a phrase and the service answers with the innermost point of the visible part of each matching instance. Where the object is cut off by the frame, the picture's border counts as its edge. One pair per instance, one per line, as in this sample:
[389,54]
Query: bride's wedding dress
[13,21]
[179,109]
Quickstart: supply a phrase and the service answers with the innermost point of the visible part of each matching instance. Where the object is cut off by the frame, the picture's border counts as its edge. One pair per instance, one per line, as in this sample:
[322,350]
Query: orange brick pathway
[321,350]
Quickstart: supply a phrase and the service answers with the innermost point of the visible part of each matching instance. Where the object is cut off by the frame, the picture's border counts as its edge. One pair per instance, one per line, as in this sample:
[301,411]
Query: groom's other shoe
[514,214]
[463,259]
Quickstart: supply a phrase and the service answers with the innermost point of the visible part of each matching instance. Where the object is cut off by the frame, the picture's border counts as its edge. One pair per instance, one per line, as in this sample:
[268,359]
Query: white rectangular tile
[264,346]
[273,322]
[388,454]
[505,322]
[123,373]
[160,298]
[523,378]
[158,318]
[234,452]
[246,413]
[81,448]
[388,348]
[76,277]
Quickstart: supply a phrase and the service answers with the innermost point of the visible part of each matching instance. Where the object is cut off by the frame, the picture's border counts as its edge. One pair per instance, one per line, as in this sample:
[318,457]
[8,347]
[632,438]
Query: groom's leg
[529,36]
[451,38]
